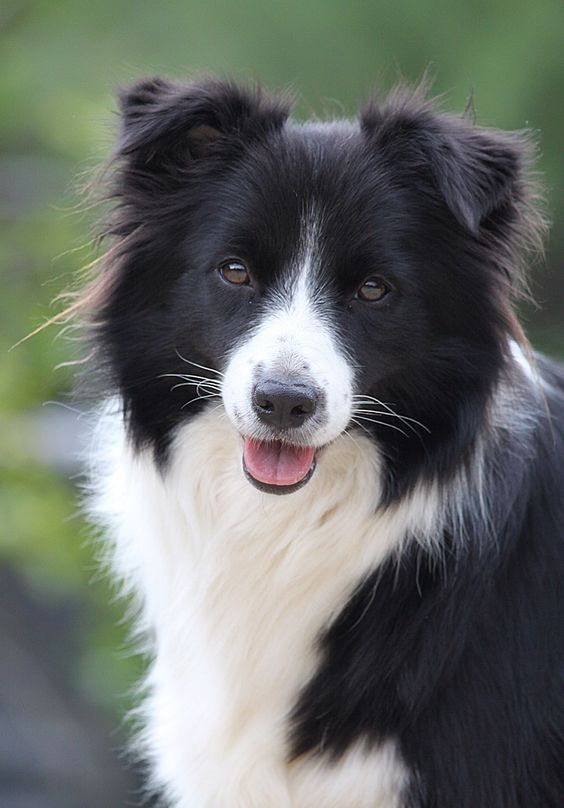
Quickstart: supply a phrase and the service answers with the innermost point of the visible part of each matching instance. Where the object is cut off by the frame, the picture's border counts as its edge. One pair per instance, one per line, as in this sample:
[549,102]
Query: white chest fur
[235,586]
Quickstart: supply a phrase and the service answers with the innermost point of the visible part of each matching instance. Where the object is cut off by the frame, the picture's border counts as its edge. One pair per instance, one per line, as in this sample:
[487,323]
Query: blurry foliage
[60,61]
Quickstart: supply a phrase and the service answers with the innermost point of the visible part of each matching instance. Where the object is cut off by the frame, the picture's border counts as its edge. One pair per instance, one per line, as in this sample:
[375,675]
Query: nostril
[305,408]
[263,403]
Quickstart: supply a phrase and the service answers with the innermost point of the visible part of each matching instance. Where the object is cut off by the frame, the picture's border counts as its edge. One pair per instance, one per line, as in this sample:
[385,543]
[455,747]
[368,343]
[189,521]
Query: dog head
[310,277]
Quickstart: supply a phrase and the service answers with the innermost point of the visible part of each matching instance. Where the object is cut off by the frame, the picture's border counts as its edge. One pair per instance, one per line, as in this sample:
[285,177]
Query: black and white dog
[324,311]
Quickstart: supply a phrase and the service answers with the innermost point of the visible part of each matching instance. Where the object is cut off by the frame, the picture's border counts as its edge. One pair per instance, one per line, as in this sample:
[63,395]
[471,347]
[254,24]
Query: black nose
[284,404]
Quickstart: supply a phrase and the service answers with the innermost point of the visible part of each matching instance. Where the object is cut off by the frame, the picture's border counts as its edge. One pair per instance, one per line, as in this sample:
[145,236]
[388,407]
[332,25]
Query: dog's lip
[277,467]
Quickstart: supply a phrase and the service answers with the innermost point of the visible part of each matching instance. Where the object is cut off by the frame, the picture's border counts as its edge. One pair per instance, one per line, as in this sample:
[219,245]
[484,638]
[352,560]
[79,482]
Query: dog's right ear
[165,123]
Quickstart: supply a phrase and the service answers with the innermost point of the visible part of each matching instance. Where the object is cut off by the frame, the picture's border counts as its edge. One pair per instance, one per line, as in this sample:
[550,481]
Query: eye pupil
[373,289]
[235,273]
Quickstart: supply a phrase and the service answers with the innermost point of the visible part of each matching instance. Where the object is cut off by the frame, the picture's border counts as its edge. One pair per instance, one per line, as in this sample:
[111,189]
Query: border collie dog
[330,469]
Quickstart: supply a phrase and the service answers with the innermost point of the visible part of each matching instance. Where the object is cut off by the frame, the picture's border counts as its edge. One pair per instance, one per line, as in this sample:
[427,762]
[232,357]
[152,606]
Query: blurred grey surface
[56,750]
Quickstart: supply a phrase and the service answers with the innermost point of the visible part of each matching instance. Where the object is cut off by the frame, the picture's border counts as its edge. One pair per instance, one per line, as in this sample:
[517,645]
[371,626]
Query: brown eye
[235,273]
[373,289]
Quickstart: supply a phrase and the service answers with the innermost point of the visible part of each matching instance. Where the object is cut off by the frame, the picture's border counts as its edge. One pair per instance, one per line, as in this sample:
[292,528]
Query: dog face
[311,277]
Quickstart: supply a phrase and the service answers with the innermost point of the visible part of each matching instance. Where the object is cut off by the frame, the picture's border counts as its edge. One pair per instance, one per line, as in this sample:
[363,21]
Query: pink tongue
[276,463]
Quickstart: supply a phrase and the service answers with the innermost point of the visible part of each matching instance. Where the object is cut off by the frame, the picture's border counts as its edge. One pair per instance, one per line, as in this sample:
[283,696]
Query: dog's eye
[373,289]
[235,272]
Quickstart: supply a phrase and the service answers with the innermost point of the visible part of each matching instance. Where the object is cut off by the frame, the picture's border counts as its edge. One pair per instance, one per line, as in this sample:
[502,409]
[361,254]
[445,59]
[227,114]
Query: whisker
[202,367]
[350,436]
[191,378]
[381,423]
[199,386]
[199,382]
[361,426]
[364,413]
[217,407]
[396,415]
[366,399]
[200,398]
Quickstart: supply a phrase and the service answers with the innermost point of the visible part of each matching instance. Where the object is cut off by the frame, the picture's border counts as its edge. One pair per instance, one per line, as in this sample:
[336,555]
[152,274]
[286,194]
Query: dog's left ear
[168,123]
[475,170]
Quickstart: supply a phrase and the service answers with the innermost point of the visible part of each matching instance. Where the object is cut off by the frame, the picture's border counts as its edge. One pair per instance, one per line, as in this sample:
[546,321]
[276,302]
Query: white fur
[294,340]
[236,586]
[360,780]
[523,362]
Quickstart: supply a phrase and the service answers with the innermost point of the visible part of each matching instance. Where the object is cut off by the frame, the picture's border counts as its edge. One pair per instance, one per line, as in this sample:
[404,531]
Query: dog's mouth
[277,467]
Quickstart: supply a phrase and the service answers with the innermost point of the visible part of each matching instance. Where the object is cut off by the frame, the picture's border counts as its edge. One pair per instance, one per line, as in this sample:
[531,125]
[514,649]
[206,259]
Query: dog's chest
[259,597]
[237,587]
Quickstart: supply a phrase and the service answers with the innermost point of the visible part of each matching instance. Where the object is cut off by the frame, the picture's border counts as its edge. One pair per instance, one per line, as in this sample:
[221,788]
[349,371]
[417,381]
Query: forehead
[312,186]
[323,166]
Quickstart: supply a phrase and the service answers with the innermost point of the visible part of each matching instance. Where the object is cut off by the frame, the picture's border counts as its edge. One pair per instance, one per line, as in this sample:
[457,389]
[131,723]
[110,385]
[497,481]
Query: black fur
[458,655]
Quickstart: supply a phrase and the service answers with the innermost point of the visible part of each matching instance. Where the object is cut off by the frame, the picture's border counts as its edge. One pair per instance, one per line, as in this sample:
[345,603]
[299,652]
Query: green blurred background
[60,62]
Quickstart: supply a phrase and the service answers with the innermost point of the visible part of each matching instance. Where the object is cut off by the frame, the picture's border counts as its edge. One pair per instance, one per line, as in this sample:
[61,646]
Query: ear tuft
[475,170]
[162,120]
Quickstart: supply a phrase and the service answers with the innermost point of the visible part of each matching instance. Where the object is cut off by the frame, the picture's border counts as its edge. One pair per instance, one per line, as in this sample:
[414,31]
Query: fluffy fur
[388,635]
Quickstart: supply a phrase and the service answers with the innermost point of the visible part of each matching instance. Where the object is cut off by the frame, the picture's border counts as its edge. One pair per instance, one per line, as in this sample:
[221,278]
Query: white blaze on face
[295,343]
